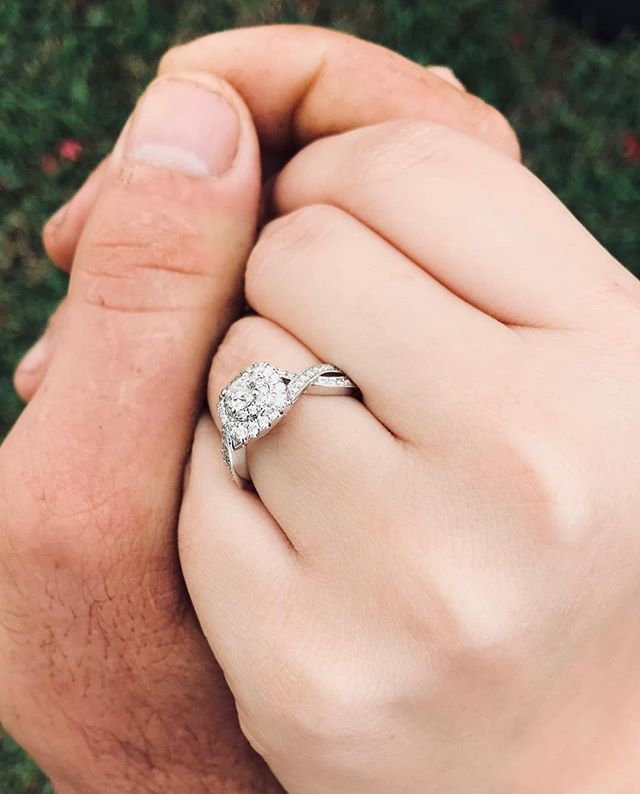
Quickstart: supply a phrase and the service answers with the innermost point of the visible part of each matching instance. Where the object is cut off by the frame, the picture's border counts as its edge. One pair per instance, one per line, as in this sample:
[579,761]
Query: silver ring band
[256,400]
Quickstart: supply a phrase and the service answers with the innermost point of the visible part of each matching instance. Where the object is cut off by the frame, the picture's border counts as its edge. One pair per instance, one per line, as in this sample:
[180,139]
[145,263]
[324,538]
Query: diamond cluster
[253,402]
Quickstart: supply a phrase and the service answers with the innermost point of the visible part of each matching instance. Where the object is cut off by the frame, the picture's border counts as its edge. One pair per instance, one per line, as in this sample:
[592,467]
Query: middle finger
[354,300]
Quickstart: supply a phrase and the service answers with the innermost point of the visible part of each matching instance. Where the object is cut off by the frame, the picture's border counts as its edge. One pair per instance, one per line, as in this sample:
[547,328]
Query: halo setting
[257,399]
[253,402]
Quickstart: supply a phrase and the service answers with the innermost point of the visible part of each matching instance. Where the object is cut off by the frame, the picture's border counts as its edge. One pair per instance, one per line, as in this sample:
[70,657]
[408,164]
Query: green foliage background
[73,69]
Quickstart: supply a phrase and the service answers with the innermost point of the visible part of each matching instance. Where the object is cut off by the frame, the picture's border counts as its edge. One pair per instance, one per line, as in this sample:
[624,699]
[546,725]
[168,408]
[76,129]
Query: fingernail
[185,126]
[34,358]
[448,75]
[57,219]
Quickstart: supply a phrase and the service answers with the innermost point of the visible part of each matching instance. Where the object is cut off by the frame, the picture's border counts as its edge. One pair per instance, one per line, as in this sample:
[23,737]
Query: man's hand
[106,678]
[109,682]
[301,84]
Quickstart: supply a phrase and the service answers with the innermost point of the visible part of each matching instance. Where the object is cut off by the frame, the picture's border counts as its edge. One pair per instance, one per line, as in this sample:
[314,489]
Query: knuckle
[486,123]
[77,532]
[284,241]
[171,60]
[76,570]
[326,706]
[620,299]
[496,128]
[60,515]
[142,260]
[300,224]
[160,224]
[297,229]
[388,152]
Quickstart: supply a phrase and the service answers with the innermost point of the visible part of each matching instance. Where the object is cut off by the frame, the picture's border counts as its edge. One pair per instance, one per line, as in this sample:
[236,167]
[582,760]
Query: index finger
[302,83]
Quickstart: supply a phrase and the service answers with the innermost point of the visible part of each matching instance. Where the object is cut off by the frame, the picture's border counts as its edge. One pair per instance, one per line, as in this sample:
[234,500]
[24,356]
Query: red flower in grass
[48,164]
[70,149]
[517,40]
[631,147]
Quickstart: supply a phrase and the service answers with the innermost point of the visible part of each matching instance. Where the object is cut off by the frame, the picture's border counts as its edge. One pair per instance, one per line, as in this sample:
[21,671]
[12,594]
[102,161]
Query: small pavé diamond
[259,397]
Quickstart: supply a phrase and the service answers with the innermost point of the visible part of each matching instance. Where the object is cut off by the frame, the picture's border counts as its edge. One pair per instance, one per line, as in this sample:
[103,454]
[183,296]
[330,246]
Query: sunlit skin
[112,686]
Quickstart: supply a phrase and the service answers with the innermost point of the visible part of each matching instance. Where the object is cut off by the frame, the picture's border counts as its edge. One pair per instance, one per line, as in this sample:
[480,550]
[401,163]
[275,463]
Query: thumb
[157,277]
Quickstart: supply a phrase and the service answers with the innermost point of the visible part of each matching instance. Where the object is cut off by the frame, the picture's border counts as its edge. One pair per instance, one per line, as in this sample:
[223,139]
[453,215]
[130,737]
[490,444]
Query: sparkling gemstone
[253,402]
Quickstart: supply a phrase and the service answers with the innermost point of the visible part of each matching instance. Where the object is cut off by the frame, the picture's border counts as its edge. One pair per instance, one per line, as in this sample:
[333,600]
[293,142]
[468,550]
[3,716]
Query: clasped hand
[432,588]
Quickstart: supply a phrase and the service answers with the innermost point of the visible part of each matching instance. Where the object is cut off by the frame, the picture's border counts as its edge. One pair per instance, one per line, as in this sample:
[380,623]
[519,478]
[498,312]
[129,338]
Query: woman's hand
[110,684]
[437,588]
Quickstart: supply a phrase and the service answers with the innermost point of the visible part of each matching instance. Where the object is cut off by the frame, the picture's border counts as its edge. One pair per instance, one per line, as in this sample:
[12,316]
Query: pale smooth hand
[436,588]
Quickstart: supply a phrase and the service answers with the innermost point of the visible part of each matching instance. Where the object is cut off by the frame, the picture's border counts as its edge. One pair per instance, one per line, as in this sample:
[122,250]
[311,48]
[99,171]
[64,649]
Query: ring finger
[324,446]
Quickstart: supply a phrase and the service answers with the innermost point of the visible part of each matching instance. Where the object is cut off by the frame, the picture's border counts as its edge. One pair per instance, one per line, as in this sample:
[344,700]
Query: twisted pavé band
[256,400]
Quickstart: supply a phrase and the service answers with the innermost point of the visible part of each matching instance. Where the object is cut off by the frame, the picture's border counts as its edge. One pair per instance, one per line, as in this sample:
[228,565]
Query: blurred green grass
[72,70]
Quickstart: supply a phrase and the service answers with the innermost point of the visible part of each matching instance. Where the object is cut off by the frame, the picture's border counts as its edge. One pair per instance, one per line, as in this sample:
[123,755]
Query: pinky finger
[448,75]
[63,229]
[235,558]
[33,367]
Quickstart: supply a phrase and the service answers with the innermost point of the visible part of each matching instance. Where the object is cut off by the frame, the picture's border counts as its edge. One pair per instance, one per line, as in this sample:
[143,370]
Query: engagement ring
[257,399]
